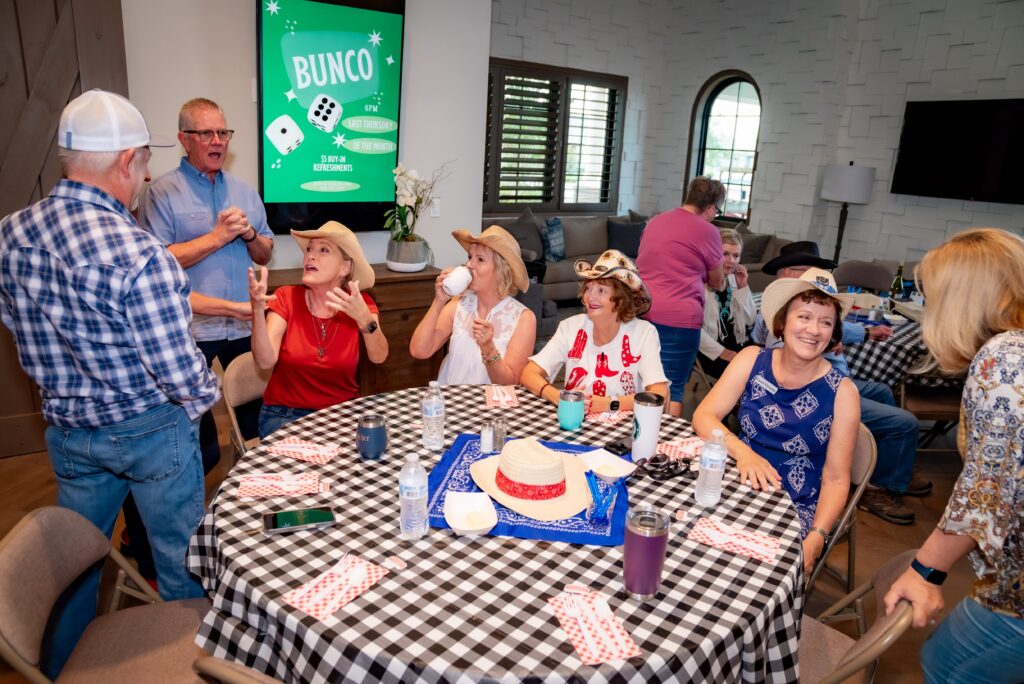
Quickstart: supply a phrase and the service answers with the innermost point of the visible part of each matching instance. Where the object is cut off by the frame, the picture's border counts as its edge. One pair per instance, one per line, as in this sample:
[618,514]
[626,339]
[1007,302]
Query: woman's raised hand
[758,472]
[440,296]
[350,303]
[258,289]
[483,333]
[741,275]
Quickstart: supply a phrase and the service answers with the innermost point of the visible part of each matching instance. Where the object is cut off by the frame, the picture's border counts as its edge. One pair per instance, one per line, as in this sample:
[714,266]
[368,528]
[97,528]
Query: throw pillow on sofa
[625,237]
[524,230]
[637,218]
[553,238]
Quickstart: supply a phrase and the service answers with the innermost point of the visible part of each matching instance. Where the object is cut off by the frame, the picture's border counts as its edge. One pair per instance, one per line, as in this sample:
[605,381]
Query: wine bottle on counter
[896,289]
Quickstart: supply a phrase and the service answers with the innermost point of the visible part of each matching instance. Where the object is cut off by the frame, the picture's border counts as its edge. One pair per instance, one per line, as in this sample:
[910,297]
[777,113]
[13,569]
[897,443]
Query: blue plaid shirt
[99,310]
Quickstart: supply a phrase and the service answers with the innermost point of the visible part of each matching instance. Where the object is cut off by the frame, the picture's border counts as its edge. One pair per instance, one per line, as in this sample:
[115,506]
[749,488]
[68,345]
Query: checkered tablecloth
[468,610]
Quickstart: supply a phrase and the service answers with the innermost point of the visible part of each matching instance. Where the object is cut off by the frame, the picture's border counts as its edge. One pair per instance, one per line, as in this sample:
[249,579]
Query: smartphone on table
[280,522]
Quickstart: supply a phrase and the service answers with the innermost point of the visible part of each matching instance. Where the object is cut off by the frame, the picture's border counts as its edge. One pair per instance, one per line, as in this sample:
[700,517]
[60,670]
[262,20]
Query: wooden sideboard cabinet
[403,299]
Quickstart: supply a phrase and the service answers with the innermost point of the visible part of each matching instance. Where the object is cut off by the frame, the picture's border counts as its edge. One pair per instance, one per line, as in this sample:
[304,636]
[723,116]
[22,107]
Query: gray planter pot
[407,257]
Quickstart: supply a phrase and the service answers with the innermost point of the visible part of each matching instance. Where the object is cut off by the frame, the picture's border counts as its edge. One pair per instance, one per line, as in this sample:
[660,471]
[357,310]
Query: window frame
[699,116]
[497,69]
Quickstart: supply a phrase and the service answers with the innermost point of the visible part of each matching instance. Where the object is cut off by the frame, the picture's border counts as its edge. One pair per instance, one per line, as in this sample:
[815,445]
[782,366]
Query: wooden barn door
[50,51]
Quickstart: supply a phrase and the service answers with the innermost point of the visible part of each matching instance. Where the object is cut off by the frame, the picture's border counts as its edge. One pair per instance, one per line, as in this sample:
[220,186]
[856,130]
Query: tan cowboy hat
[614,264]
[518,476]
[346,239]
[502,242]
[778,294]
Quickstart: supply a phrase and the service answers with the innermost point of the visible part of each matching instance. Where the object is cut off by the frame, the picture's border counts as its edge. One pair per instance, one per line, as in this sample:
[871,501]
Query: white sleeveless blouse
[463,365]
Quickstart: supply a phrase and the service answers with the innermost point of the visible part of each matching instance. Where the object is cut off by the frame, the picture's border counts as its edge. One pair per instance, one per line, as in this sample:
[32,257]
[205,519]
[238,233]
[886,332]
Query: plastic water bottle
[412,495]
[433,418]
[712,465]
[885,306]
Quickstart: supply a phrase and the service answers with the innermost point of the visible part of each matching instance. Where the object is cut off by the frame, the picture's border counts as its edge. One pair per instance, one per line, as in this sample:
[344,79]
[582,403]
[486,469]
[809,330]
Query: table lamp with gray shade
[848,184]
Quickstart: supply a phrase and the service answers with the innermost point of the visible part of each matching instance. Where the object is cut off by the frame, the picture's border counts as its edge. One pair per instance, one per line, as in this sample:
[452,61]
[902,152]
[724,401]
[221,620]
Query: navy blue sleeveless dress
[790,429]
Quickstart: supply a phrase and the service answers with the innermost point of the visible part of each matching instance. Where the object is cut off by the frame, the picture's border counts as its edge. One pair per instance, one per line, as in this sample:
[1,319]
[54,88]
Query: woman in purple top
[799,416]
[680,251]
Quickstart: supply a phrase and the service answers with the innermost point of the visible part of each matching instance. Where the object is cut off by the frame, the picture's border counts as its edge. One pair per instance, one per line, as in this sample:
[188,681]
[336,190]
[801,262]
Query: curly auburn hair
[624,300]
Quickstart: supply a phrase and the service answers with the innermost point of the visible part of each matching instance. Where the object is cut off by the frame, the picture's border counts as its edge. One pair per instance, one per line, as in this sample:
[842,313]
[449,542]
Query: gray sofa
[586,237]
[757,250]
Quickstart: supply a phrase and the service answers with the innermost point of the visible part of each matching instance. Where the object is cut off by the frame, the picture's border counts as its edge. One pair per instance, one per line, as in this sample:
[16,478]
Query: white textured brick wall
[834,76]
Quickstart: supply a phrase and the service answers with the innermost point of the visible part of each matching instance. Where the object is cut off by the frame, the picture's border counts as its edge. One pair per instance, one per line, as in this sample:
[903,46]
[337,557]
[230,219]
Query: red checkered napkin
[625,647]
[501,396]
[609,417]
[279,484]
[308,451]
[330,591]
[736,539]
[685,448]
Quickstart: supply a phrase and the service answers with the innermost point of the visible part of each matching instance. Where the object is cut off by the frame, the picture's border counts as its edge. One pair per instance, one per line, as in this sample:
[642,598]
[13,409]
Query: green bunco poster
[330,82]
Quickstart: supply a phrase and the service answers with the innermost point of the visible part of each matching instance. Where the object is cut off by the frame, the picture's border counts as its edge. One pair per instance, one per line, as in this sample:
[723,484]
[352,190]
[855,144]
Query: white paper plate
[469,513]
[607,465]
[895,318]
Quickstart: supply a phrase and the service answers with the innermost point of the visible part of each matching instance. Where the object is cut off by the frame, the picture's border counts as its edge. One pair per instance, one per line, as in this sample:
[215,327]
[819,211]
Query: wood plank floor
[27,482]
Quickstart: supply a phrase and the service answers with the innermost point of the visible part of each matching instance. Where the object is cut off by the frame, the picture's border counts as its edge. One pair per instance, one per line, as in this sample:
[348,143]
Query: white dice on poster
[325,112]
[285,134]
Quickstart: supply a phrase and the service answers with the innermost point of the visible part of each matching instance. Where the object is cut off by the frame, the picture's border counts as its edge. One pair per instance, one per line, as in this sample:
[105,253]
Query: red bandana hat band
[529,492]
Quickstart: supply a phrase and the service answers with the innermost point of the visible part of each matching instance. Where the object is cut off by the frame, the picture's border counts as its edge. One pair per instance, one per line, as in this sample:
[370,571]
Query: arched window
[726,119]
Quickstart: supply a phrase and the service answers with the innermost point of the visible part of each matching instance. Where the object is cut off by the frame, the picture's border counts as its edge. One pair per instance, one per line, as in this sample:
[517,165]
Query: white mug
[647,409]
[456,282]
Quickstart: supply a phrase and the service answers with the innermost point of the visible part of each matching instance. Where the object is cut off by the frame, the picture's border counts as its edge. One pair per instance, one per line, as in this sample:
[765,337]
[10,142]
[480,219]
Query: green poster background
[351,56]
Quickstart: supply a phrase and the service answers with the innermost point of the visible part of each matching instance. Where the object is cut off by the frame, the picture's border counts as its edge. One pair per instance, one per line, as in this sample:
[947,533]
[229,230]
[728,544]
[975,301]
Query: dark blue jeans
[678,352]
[155,456]
[895,432]
[272,418]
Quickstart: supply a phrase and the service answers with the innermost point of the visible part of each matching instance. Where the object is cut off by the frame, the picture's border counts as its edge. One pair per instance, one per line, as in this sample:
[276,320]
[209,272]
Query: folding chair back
[864,274]
[244,381]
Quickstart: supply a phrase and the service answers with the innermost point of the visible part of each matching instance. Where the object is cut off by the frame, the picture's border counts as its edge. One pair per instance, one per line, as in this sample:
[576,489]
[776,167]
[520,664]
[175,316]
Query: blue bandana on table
[452,474]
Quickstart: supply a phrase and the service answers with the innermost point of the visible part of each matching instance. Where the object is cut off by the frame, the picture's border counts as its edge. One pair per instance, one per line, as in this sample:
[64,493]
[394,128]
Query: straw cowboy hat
[534,481]
[801,253]
[614,264]
[778,294]
[502,242]
[346,240]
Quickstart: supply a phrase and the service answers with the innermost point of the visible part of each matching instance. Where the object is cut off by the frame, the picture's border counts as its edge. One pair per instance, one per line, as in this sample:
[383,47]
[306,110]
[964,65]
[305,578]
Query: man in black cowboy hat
[894,429]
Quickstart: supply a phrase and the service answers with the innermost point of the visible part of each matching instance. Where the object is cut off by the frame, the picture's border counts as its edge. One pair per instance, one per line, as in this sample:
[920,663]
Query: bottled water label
[412,491]
[433,411]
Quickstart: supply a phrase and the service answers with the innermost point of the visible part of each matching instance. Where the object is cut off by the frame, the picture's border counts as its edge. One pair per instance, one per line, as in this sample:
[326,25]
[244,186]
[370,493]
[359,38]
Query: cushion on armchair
[754,247]
[584,235]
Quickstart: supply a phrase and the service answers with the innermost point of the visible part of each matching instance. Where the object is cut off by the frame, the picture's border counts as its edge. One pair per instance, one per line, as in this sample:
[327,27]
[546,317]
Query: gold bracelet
[493,359]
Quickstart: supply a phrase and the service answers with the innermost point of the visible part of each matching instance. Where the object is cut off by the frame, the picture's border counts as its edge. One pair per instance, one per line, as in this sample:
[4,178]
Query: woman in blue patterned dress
[799,416]
[974,322]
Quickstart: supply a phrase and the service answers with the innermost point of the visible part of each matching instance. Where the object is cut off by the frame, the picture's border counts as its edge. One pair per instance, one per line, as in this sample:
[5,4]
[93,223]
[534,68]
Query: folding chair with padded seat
[827,656]
[227,672]
[39,560]
[244,382]
[864,274]
[865,454]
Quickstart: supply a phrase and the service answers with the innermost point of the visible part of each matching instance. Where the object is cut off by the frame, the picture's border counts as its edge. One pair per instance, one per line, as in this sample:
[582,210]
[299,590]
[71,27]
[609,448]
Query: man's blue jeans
[678,352]
[975,644]
[155,456]
[273,418]
[895,432]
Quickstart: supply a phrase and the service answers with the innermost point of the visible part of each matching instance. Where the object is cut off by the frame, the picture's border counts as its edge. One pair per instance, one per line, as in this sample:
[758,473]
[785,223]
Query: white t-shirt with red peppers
[624,366]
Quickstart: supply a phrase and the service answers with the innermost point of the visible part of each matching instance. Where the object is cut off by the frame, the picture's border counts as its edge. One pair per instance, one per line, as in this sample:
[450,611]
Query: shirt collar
[90,194]
[196,174]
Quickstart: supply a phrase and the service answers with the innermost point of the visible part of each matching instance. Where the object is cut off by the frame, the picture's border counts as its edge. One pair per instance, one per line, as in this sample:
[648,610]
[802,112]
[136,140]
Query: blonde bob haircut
[731,237]
[503,274]
[974,284]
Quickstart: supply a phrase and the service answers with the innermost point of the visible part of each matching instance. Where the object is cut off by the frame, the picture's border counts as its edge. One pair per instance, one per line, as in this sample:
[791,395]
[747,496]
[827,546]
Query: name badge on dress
[765,385]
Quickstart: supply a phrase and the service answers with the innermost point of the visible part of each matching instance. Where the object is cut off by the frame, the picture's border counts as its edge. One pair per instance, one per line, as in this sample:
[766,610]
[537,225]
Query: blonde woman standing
[974,321]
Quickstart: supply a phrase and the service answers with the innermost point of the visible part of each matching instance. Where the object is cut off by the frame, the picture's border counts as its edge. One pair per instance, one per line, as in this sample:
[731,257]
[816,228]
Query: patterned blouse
[988,497]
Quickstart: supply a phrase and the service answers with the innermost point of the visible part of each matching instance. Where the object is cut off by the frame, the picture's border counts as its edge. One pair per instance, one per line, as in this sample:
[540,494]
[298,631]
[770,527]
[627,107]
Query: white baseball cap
[99,121]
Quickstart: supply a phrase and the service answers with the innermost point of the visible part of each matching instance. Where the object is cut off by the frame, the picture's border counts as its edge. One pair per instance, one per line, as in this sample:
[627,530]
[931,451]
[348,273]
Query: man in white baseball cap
[100,316]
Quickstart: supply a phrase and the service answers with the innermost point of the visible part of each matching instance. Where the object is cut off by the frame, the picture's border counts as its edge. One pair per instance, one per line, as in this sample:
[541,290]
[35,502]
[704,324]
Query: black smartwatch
[930,575]
[614,405]
[370,329]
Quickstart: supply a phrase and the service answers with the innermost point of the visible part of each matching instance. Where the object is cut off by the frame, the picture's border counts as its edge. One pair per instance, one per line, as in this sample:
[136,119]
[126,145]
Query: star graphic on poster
[339,139]
[273,7]
[375,38]
[390,60]
[290,94]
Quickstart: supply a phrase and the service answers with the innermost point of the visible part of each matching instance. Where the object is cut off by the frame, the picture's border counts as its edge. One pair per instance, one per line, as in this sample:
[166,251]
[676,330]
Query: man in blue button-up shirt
[215,225]
[100,316]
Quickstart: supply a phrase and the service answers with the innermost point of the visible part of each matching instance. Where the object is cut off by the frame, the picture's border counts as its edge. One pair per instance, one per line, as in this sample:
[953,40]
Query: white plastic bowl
[606,465]
[469,513]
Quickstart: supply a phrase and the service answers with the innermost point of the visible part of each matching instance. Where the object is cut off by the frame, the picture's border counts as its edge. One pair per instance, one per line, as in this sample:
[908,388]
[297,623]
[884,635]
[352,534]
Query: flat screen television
[330,74]
[962,149]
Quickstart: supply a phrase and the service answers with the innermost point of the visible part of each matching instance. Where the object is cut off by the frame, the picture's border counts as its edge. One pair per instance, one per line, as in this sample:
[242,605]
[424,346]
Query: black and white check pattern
[468,610]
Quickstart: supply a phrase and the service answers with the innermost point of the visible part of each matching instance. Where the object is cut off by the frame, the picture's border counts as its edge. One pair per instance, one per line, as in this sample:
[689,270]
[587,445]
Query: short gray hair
[86,162]
[196,103]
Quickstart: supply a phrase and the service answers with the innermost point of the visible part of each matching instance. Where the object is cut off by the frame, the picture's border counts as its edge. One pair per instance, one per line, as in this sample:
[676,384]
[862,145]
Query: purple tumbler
[643,555]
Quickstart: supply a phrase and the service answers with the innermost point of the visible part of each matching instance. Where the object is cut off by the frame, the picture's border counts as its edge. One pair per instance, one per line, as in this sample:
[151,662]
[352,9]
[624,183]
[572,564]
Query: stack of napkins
[305,450]
[609,417]
[596,634]
[501,396]
[736,539]
[280,484]
[686,448]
